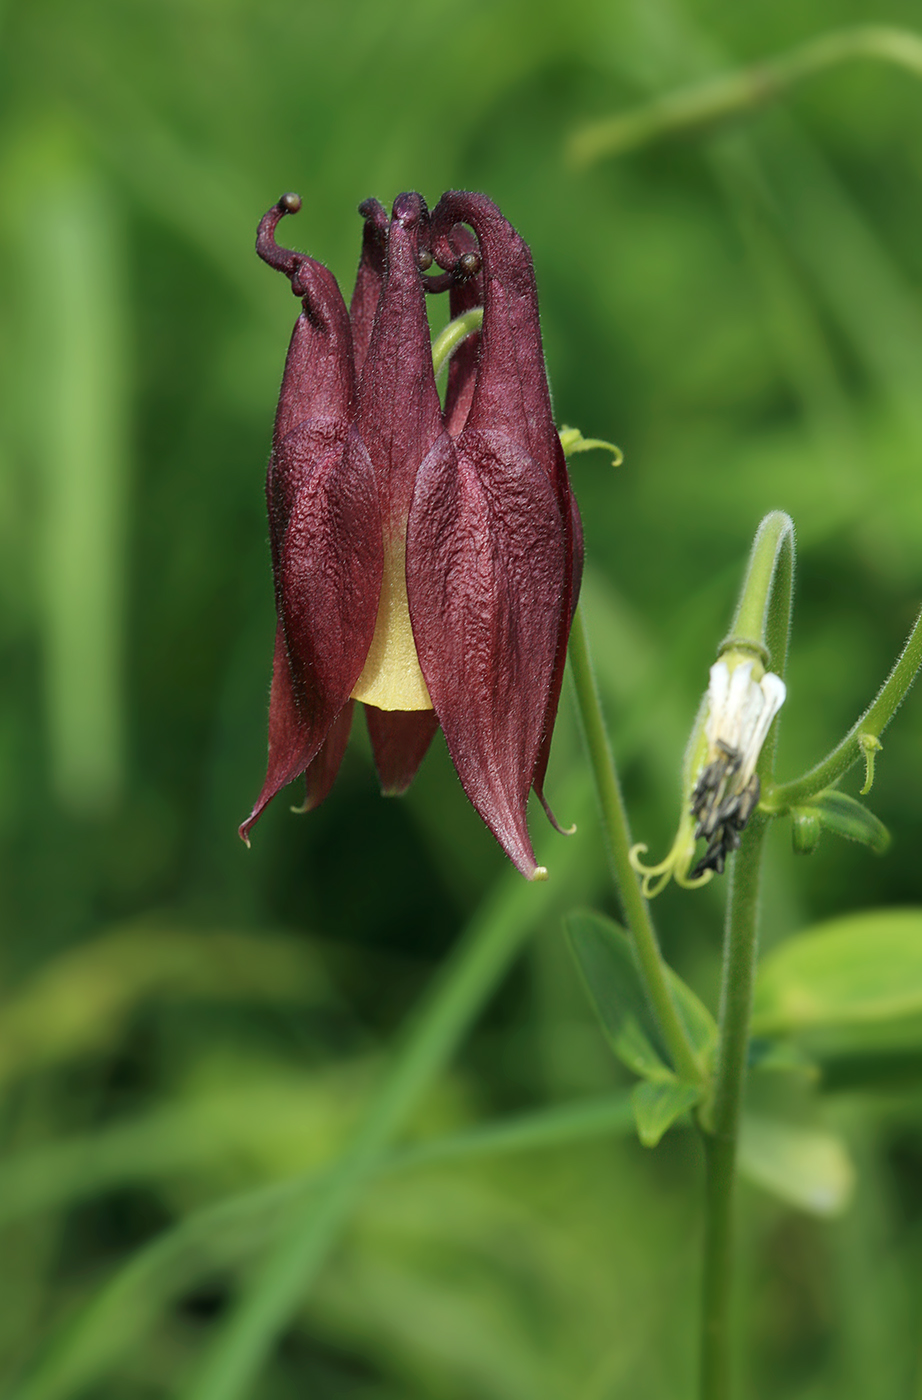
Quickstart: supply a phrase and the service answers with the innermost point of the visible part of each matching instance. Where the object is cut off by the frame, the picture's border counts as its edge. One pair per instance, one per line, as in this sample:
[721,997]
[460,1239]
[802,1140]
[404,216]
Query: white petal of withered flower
[740,712]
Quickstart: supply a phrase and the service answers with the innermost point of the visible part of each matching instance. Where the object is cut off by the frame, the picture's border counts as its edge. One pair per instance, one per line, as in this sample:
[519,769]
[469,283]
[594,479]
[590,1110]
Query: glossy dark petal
[486,555]
[399,415]
[575,555]
[328,577]
[329,571]
[511,392]
[399,740]
[321,772]
[289,737]
[319,379]
[465,294]
[368,279]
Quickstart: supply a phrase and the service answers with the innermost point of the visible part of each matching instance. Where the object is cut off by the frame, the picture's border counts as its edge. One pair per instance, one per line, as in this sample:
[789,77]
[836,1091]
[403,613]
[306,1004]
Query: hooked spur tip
[468,265]
[539,873]
[290,203]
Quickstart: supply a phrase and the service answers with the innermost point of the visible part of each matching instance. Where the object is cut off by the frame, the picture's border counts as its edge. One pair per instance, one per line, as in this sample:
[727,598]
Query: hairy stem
[722,1132]
[870,726]
[614,819]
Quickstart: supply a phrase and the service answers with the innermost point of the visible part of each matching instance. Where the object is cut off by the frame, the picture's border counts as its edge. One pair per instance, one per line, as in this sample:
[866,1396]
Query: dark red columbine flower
[427,560]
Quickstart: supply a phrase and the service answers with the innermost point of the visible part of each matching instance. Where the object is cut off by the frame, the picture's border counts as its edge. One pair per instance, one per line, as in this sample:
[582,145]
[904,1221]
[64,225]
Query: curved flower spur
[426,561]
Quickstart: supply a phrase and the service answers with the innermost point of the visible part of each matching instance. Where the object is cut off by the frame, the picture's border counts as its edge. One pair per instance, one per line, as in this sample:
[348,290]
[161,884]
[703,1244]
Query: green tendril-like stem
[862,740]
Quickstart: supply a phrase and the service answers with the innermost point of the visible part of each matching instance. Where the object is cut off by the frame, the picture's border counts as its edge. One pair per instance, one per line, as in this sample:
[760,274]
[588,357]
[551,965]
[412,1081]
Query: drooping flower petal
[466,293]
[320,774]
[399,417]
[289,739]
[399,740]
[368,279]
[485,563]
[324,518]
[328,565]
[511,397]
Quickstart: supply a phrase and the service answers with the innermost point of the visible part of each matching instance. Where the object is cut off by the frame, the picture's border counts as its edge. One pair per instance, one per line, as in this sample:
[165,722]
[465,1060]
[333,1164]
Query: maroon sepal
[485,559]
[399,740]
[466,293]
[324,520]
[575,545]
[320,774]
[289,740]
[490,557]
[398,413]
[368,279]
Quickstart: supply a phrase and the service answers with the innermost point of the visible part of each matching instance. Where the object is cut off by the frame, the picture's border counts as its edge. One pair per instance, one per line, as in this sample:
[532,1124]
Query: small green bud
[805,830]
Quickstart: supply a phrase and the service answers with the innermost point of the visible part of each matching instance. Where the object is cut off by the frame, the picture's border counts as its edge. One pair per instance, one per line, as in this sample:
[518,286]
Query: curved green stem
[744,90]
[763,613]
[448,340]
[721,1134]
[614,819]
[854,746]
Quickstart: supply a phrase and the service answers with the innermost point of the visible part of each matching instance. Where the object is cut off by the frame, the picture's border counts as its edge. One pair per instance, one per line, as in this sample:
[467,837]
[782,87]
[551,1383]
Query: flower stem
[730,94]
[722,1130]
[614,819]
[870,726]
[763,613]
[447,342]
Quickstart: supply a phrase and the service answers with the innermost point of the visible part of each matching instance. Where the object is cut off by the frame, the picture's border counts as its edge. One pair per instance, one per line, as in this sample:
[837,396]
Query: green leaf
[604,955]
[657,1106]
[845,816]
[864,970]
[806,1167]
[606,963]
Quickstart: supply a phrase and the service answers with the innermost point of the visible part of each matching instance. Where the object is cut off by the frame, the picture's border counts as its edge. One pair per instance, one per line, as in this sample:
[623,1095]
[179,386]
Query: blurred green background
[184,1020]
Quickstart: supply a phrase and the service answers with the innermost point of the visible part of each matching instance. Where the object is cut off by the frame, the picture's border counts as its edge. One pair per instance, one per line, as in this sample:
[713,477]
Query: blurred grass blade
[79,1002]
[691,109]
[223,1235]
[462,988]
[76,415]
[805,1167]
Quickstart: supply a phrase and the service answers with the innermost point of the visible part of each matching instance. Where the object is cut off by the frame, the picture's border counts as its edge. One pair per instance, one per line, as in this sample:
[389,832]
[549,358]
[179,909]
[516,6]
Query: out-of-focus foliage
[188,1025]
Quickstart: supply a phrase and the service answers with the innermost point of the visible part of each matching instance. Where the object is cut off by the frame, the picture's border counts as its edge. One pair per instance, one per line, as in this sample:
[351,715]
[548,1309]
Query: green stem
[447,342]
[763,613]
[461,989]
[614,819]
[870,726]
[722,1130]
[731,94]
